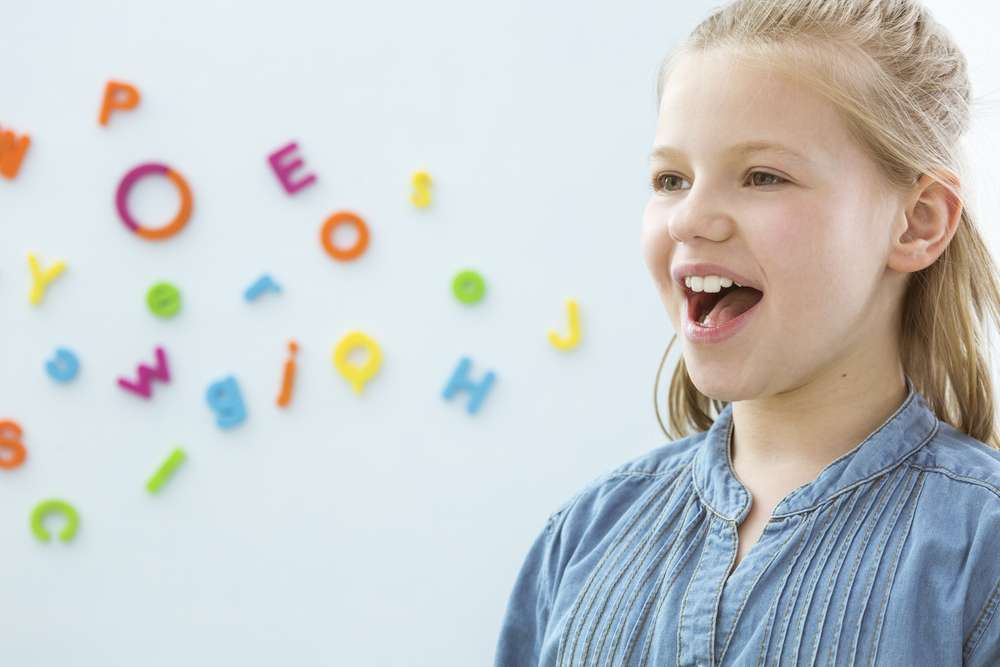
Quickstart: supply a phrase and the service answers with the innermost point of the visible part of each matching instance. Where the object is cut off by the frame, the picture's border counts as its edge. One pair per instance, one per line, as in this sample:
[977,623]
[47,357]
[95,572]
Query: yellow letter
[574,329]
[355,374]
[41,279]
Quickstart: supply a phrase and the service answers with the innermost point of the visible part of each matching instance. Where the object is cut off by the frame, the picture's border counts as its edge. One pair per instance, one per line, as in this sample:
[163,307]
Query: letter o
[171,228]
[344,218]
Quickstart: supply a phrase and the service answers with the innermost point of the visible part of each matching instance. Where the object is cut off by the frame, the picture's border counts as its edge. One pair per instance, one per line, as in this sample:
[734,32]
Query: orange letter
[12,150]
[118,96]
[10,439]
[344,218]
[289,377]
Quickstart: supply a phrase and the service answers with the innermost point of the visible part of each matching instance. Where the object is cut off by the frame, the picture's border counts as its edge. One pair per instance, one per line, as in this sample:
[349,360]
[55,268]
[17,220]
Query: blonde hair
[900,84]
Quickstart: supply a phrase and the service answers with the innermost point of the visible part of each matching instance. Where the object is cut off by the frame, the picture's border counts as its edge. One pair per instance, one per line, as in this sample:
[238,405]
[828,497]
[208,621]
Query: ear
[927,224]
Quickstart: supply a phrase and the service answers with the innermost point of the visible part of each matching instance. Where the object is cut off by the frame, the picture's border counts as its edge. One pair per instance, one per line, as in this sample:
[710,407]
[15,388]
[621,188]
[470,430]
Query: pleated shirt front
[890,556]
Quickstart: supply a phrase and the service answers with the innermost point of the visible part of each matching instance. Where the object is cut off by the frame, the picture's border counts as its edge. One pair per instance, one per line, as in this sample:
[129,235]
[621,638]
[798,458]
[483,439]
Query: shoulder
[972,465]
[956,529]
[609,495]
[960,489]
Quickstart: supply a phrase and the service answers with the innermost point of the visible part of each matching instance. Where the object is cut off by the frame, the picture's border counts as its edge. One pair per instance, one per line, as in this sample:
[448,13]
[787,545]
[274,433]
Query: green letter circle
[468,286]
[164,300]
[58,506]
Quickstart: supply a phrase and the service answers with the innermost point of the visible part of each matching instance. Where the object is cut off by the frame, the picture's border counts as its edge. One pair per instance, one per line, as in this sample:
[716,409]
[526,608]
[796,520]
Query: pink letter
[284,169]
[143,386]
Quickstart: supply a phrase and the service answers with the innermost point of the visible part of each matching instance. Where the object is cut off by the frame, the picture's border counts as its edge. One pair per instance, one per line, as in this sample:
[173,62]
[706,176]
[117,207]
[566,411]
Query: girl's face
[814,232]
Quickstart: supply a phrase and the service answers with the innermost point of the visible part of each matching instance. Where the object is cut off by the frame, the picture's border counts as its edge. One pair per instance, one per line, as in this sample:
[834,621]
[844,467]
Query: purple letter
[284,169]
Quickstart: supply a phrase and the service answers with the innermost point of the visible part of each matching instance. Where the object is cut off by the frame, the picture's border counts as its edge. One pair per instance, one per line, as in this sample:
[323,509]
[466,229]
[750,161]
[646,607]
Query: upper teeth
[708,283]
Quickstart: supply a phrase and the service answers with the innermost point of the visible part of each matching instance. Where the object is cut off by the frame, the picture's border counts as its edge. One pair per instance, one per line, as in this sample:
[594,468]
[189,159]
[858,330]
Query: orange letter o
[341,218]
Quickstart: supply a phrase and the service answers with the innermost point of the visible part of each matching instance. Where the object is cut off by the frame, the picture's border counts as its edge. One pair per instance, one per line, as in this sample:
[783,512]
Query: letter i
[286,383]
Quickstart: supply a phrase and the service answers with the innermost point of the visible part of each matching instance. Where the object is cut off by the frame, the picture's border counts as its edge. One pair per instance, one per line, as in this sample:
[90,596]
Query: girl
[810,240]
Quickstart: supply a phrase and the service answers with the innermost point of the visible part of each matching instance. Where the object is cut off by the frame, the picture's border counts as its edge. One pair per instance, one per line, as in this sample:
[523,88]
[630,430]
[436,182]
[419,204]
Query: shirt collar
[909,427]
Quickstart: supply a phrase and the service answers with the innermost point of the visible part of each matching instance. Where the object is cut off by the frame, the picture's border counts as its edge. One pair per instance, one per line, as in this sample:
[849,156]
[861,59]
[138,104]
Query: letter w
[12,150]
[143,386]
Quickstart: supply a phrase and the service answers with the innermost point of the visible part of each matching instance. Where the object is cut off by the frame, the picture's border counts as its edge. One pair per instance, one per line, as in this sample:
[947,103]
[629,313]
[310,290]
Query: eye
[658,180]
[766,173]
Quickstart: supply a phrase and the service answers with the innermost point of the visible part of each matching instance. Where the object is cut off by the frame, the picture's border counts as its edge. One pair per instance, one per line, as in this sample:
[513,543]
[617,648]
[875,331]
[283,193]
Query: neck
[798,432]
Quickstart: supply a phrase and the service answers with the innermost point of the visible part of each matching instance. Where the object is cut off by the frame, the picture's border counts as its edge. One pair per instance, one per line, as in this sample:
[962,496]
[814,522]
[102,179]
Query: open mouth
[713,309]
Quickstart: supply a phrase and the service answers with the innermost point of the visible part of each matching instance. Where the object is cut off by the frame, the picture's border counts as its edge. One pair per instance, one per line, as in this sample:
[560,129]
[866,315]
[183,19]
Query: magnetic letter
[460,381]
[226,402]
[41,279]
[166,469]
[344,218]
[571,341]
[284,168]
[12,150]
[54,506]
[289,376]
[10,442]
[171,228]
[64,366]
[261,285]
[143,385]
[118,96]
[357,375]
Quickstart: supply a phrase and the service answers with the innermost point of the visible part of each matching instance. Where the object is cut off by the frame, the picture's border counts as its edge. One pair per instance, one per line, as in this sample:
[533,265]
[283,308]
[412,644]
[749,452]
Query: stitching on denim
[773,611]
[572,617]
[958,478]
[845,514]
[704,499]
[888,469]
[655,595]
[750,589]
[836,526]
[729,462]
[604,479]
[841,559]
[660,523]
[687,523]
[919,486]
[680,622]
[718,595]
[983,620]
[546,590]
[707,504]
[794,594]
[862,548]
[606,565]
[880,554]
[910,397]
[625,532]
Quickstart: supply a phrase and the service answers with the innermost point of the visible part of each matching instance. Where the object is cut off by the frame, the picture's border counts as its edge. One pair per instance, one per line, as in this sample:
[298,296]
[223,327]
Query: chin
[717,381]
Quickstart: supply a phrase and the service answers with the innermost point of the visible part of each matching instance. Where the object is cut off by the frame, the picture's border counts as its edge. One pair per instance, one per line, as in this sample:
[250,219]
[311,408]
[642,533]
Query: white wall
[380,529]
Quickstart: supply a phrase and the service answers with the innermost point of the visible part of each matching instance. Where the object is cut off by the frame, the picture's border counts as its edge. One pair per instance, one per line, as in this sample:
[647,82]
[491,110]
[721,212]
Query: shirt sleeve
[982,648]
[529,604]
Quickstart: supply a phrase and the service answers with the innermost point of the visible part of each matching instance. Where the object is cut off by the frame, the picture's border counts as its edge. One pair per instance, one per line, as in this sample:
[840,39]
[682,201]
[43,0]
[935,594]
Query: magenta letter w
[146,376]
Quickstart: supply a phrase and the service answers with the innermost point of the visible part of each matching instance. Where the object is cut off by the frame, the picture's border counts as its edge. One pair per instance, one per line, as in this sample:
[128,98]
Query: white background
[380,529]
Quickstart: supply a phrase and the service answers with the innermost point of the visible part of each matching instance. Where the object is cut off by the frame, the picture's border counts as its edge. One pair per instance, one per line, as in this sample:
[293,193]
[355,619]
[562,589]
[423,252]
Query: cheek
[813,263]
[657,245]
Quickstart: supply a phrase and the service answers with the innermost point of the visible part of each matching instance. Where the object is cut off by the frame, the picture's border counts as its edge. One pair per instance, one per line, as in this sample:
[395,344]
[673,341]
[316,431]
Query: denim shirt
[890,556]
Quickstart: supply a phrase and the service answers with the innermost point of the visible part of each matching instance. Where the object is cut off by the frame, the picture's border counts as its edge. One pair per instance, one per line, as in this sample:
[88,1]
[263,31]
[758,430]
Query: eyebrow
[743,148]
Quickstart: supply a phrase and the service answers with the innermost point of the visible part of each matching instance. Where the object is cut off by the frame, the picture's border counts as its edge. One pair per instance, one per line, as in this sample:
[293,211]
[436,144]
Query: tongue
[733,304]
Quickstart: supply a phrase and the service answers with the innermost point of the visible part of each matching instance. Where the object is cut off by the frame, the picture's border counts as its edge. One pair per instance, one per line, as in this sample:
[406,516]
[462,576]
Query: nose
[699,215]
